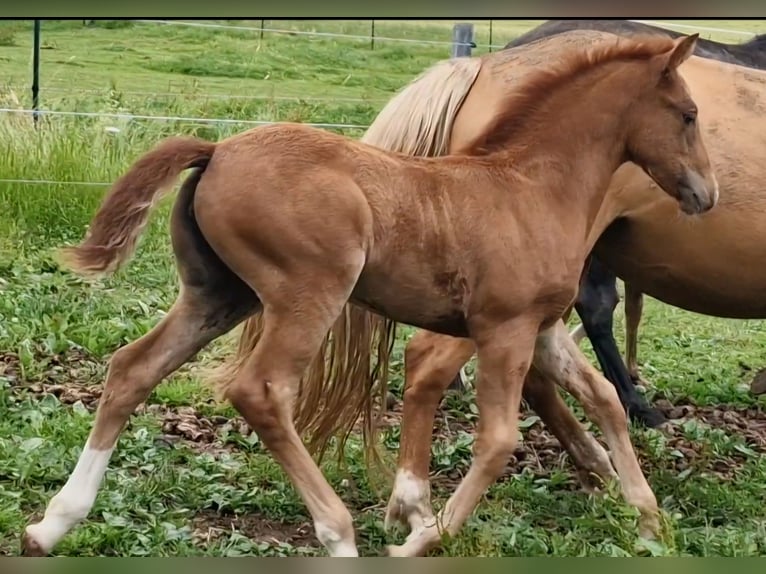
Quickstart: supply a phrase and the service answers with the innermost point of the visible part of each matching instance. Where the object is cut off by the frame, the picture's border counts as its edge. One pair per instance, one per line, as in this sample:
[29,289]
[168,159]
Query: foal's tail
[116,226]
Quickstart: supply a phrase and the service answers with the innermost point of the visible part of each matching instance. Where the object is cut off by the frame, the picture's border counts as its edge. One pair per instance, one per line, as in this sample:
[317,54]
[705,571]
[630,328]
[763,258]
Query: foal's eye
[690,117]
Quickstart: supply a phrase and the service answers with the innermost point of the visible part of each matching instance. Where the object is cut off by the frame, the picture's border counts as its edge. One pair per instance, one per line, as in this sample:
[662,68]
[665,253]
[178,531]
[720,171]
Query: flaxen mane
[520,106]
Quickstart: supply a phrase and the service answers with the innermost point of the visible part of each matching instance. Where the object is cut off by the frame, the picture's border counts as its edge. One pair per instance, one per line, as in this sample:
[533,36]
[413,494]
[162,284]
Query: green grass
[162,498]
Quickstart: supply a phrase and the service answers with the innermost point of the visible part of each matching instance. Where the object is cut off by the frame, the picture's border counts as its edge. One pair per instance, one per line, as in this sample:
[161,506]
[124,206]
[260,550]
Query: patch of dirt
[9,367]
[700,456]
[61,377]
[209,525]
[539,449]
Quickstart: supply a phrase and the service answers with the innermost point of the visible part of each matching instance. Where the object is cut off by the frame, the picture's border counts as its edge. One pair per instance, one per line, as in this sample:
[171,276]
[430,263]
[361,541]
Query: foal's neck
[577,141]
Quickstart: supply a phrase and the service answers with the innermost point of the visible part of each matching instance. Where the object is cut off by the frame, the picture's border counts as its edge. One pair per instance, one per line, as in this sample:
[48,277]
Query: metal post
[462,40]
[372,34]
[36,70]
[490,35]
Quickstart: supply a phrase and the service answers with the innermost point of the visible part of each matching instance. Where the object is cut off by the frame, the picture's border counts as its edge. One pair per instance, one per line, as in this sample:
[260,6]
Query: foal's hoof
[649,527]
[591,483]
[30,547]
[405,551]
[758,386]
[395,551]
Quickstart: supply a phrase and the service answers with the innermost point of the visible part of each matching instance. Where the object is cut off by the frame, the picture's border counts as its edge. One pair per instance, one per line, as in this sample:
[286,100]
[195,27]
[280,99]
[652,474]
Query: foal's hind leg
[588,456]
[558,357]
[197,317]
[264,390]
[212,301]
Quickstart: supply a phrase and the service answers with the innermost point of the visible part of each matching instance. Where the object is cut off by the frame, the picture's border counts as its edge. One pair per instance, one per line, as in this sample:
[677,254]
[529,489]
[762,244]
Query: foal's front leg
[431,360]
[430,363]
[504,356]
[558,357]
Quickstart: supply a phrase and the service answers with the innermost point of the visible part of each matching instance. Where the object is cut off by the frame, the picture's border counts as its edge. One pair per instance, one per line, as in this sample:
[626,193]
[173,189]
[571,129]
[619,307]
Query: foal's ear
[683,47]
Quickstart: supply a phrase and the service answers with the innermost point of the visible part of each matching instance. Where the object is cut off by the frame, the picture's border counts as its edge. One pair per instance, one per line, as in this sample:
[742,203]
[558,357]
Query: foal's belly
[414,301]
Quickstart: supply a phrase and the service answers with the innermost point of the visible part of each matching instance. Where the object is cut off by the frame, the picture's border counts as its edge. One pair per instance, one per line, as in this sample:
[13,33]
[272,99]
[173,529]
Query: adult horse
[295,223]
[751,53]
[670,277]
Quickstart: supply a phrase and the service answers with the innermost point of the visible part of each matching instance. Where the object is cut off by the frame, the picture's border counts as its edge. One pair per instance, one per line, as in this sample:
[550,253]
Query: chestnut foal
[308,228]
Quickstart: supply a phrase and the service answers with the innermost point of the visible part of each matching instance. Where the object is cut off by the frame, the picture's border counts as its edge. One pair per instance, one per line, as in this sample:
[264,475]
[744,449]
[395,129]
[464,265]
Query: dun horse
[308,228]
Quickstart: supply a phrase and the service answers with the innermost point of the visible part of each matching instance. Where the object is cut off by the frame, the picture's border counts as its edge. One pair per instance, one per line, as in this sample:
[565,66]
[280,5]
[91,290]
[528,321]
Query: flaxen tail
[116,226]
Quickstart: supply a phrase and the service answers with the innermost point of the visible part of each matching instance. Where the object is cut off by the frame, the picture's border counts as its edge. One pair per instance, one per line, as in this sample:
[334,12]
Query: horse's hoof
[648,416]
[639,382]
[31,548]
[758,386]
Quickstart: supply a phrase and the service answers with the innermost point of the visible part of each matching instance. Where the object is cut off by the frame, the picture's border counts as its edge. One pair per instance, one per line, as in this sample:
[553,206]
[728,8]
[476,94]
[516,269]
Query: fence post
[36,70]
[490,35]
[372,34]
[462,40]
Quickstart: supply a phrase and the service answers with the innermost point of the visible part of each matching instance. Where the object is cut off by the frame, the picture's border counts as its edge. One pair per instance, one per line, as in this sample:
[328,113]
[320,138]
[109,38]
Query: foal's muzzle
[697,194]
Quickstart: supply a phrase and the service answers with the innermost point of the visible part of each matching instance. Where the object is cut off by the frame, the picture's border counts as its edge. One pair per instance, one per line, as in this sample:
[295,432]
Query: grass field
[188,478]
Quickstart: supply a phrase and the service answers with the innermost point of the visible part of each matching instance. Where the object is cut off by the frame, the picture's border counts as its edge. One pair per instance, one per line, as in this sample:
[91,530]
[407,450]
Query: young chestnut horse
[598,296]
[296,223]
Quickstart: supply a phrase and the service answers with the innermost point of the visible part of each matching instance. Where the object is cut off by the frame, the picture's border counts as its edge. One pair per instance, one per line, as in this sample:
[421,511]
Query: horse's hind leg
[212,301]
[634,307]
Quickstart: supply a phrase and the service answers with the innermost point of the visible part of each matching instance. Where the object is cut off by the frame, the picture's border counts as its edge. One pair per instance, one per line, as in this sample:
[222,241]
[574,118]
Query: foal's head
[664,136]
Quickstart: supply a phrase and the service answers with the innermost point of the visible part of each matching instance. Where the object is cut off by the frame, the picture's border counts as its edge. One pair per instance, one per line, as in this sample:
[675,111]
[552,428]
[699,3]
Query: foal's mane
[519,106]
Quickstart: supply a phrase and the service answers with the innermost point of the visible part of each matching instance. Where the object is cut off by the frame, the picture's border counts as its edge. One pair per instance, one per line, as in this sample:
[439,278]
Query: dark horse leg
[595,305]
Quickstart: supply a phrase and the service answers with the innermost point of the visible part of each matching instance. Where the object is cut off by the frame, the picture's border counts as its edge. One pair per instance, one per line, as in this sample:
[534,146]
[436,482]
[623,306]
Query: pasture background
[188,478]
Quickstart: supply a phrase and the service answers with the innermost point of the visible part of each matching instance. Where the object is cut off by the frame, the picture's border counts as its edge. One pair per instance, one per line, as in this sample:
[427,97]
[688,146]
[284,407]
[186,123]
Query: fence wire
[328,125]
